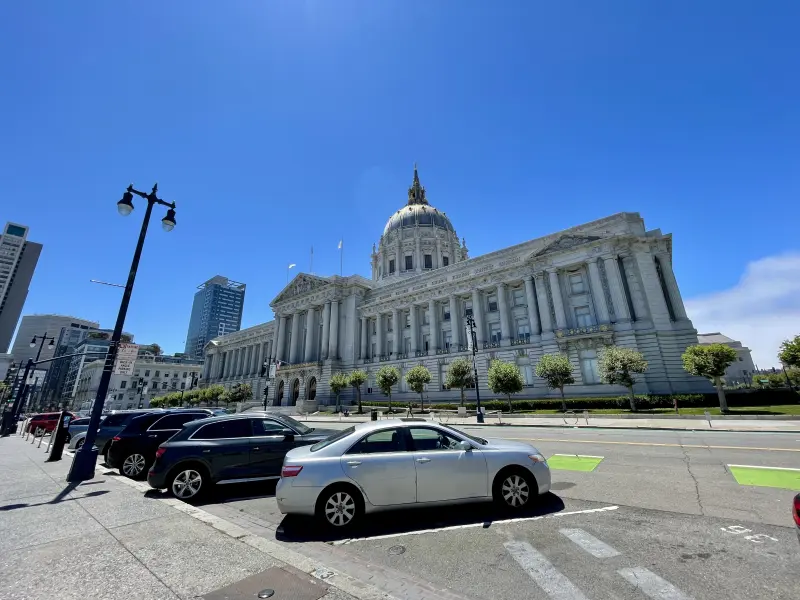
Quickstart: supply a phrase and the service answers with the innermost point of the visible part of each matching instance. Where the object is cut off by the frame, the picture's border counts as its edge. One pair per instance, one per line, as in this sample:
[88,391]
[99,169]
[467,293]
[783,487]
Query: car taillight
[160,452]
[291,470]
[796,514]
[116,438]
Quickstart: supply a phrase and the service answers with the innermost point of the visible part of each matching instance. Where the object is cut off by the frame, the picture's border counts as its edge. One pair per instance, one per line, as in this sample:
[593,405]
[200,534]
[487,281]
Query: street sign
[126,357]
[469,338]
[272,369]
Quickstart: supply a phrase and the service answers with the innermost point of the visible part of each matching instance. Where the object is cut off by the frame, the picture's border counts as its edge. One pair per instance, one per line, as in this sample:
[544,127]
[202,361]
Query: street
[654,514]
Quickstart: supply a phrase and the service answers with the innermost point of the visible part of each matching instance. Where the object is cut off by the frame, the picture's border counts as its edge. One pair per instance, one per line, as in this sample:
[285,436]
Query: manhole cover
[275,582]
[396,550]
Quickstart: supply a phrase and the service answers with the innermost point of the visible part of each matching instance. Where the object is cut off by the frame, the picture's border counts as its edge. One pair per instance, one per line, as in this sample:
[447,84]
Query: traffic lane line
[652,585]
[589,543]
[542,571]
[655,444]
[482,524]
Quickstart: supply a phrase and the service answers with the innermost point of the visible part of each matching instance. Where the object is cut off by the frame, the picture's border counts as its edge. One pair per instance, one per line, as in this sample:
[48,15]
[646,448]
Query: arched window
[311,393]
[295,392]
[279,398]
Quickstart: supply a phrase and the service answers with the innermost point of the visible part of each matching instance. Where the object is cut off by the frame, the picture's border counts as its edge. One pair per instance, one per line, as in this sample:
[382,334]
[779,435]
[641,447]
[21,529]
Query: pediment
[302,284]
[565,242]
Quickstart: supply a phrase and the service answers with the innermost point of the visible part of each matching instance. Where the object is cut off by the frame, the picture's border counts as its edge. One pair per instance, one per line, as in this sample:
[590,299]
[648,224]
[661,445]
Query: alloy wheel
[186,484]
[515,491]
[340,509]
[133,465]
[79,444]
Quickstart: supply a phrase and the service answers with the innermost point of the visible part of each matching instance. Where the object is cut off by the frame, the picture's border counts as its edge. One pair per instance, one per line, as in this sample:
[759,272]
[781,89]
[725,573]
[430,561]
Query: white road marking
[579,455]
[471,525]
[652,585]
[543,572]
[770,468]
[588,542]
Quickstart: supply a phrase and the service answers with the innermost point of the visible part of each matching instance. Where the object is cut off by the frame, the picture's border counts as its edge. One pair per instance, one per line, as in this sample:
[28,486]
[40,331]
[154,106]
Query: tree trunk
[337,410]
[723,402]
[421,403]
[358,395]
[563,400]
[390,403]
[633,399]
[462,396]
[510,407]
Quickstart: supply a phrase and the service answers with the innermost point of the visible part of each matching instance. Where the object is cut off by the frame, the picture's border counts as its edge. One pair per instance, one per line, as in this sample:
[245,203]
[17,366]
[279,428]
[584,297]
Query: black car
[228,449]
[134,448]
[113,424]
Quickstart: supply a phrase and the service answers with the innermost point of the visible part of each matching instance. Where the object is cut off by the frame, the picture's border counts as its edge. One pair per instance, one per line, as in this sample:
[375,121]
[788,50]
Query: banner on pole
[126,357]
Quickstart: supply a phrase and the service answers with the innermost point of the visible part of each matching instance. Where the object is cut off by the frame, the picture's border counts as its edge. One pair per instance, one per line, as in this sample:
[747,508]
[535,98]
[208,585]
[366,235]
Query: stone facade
[576,291]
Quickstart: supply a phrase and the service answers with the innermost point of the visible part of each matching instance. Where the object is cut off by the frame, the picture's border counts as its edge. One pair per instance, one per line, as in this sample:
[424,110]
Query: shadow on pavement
[301,529]
[220,494]
[61,497]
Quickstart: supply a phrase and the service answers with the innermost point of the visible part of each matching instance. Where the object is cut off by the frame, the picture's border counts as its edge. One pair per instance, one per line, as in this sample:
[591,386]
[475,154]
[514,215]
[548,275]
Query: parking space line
[482,524]
[546,576]
[658,444]
[589,543]
[652,585]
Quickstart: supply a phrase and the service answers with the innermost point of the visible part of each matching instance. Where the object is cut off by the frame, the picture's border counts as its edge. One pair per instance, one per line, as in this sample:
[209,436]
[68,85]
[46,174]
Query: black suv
[228,449]
[113,424]
[134,448]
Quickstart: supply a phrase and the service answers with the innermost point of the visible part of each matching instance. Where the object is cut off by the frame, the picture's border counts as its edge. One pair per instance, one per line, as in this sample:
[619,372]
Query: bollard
[49,442]
[40,440]
[586,416]
[708,418]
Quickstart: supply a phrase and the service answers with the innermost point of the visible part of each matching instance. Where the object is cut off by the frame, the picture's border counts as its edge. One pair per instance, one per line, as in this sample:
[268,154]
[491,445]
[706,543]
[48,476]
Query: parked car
[115,422]
[228,449]
[76,441]
[133,450]
[796,514]
[76,426]
[404,463]
[44,423]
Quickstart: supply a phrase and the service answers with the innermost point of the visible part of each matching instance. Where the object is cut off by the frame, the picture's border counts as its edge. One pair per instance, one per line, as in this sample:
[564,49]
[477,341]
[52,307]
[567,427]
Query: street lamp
[86,458]
[473,338]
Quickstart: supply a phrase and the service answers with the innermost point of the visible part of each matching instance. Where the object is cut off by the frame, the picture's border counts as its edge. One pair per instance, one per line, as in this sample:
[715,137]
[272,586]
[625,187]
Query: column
[437,260]
[418,257]
[294,343]
[207,366]
[477,313]
[240,362]
[262,348]
[672,285]
[223,366]
[310,325]
[326,329]
[245,360]
[434,327]
[530,300]
[598,295]
[397,332]
[364,324]
[455,322]
[333,341]
[544,306]
[398,253]
[414,329]
[379,330]
[280,348]
[558,301]
[502,304]
[653,291]
[618,300]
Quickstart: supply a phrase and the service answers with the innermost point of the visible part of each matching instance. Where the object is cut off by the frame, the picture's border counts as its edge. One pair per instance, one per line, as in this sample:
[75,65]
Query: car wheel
[79,444]
[188,482]
[514,489]
[339,507]
[133,466]
[39,432]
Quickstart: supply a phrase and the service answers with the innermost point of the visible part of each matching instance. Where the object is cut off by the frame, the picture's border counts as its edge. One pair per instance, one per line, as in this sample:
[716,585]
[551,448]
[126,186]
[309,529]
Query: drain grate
[397,550]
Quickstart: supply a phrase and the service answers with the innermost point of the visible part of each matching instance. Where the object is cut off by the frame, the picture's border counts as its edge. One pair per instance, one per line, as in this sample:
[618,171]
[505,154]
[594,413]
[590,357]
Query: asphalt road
[660,517]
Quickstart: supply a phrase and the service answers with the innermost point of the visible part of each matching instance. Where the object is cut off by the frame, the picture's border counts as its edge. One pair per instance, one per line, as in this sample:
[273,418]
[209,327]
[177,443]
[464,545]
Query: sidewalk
[105,539]
[578,420]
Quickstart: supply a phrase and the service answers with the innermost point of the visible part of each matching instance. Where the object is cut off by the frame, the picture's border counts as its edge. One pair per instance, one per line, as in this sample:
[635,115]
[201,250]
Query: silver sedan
[405,463]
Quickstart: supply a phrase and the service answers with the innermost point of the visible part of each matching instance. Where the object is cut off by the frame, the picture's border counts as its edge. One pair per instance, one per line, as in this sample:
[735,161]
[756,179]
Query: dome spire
[416,193]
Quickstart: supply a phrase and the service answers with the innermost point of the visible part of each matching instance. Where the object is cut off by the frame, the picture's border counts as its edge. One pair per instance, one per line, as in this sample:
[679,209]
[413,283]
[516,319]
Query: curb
[345,583]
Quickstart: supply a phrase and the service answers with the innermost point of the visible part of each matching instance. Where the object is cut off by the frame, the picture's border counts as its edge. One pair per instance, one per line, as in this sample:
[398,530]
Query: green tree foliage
[505,378]
[776,380]
[174,400]
[710,361]
[556,370]
[790,352]
[241,392]
[619,366]
[338,382]
[385,379]
[416,378]
[158,402]
[213,394]
[357,379]
[459,375]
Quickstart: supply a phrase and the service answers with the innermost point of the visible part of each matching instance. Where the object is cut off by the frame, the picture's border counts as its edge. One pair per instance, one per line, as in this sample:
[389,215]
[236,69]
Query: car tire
[340,507]
[188,482]
[134,466]
[514,489]
[79,444]
[38,432]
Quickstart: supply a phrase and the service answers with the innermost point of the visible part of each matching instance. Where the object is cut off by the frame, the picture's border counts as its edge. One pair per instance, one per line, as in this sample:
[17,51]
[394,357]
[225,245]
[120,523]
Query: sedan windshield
[297,425]
[334,438]
[477,440]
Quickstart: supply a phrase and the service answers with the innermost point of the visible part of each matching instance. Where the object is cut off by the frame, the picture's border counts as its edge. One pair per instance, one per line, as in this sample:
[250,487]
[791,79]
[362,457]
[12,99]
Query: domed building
[607,282]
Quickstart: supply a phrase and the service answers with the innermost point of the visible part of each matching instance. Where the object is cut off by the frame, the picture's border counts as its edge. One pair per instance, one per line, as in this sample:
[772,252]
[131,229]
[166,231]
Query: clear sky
[278,125]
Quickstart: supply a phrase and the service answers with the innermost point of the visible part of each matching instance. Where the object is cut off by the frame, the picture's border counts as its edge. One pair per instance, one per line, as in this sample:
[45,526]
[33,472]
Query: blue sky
[278,125]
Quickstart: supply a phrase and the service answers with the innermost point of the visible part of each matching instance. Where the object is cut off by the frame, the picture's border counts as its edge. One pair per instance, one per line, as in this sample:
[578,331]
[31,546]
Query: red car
[796,514]
[44,423]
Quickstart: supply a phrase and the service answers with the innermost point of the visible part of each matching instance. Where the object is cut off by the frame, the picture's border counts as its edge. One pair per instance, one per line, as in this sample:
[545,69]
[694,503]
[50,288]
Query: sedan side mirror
[288,433]
[465,445]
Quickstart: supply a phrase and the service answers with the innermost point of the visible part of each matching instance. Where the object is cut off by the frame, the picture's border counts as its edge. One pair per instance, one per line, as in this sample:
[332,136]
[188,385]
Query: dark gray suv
[114,424]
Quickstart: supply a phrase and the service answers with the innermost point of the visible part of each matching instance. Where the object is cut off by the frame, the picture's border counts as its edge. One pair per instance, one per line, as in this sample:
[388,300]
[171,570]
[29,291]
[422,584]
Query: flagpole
[341,258]
[311,263]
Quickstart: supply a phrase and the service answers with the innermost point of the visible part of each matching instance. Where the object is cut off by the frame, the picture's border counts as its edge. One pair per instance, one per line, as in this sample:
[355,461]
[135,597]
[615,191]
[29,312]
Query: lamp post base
[8,424]
[83,465]
[480,417]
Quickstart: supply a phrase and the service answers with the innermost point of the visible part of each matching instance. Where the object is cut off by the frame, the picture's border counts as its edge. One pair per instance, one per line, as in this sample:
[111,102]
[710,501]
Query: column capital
[528,277]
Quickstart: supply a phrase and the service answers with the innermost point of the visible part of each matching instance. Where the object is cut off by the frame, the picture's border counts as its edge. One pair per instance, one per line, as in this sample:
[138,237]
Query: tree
[213,393]
[158,402]
[556,370]
[385,379]
[192,397]
[416,378]
[505,378]
[618,366]
[790,352]
[173,400]
[338,382]
[241,392]
[710,361]
[357,379]
[459,375]
[155,349]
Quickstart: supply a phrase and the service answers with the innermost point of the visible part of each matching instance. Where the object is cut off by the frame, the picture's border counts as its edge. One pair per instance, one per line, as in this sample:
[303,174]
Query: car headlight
[537,458]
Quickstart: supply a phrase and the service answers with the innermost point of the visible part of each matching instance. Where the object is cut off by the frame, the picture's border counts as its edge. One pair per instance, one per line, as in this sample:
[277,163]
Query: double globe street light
[86,458]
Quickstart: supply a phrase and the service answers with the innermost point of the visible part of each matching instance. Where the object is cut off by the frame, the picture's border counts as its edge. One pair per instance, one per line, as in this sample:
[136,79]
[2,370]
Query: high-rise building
[40,326]
[216,311]
[18,258]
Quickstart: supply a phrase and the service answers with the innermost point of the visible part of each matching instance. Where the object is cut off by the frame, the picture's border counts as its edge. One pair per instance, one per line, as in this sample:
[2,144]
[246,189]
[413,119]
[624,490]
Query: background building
[577,291]
[18,258]
[41,325]
[216,311]
[740,372]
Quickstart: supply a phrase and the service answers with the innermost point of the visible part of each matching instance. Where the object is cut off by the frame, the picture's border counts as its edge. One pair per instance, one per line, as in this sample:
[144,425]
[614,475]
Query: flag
[340,244]
[292,265]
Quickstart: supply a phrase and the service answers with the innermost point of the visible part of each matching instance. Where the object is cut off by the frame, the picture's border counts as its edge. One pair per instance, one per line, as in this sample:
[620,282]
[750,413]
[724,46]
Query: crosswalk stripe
[588,542]
[546,576]
[652,585]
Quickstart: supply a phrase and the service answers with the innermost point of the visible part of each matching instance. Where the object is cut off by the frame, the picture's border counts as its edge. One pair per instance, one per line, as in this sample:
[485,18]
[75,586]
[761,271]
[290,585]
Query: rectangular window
[407,345]
[447,338]
[576,283]
[425,316]
[519,297]
[409,262]
[408,320]
[494,332]
[446,312]
[389,324]
[445,261]
[492,303]
[164,385]
[157,374]
[184,374]
[123,384]
[527,374]
[373,350]
[374,327]
[428,264]
[183,385]
[468,307]
[589,370]
[147,373]
[523,328]
[391,266]
[425,342]
[166,374]
[583,317]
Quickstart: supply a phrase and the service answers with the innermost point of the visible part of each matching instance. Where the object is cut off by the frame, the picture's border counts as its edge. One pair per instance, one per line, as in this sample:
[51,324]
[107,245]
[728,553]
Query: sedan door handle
[256,448]
[152,435]
[206,451]
[353,463]
[423,460]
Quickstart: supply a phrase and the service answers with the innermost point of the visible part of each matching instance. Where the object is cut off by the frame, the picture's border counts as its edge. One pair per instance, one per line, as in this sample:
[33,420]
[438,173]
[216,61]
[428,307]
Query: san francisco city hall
[605,282]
